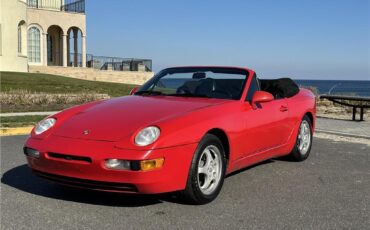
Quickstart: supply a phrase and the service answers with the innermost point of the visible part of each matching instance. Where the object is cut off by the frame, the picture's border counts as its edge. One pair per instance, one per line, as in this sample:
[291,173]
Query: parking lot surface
[330,190]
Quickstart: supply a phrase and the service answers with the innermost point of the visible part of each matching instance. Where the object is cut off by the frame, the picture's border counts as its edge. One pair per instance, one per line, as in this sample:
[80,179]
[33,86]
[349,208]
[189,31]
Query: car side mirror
[261,97]
[134,90]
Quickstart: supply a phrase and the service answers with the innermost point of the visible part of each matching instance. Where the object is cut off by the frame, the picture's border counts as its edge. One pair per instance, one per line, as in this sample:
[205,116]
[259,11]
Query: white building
[42,33]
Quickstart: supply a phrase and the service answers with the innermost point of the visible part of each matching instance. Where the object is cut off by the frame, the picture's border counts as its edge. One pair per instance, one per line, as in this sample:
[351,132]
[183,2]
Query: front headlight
[147,136]
[44,125]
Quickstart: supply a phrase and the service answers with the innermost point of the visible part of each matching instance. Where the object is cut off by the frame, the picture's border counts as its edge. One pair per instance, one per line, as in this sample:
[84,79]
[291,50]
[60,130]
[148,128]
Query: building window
[22,38]
[19,39]
[32,3]
[34,45]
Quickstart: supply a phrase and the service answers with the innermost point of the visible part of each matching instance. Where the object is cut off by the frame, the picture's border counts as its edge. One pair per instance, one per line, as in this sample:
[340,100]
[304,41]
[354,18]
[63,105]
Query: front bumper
[84,166]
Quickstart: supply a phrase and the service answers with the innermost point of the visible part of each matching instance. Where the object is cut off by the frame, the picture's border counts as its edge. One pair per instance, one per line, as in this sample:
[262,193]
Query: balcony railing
[111,63]
[76,6]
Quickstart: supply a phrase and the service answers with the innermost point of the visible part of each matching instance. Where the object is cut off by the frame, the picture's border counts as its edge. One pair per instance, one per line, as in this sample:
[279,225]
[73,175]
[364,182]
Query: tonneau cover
[280,88]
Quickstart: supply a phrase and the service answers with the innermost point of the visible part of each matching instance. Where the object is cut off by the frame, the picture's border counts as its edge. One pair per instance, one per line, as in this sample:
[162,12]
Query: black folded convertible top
[280,88]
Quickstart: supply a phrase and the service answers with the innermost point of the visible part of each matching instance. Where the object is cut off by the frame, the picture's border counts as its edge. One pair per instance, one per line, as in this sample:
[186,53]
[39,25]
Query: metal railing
[351,101]
[76,6]
[111,63]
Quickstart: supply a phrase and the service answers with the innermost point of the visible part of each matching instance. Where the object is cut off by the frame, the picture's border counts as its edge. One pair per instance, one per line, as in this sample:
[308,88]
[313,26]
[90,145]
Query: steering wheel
[160,84]
[224,92]
[183,90]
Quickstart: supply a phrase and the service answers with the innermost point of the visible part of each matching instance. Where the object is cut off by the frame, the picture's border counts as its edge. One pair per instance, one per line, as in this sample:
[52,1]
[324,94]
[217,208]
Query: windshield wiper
[149,92]
[187,95]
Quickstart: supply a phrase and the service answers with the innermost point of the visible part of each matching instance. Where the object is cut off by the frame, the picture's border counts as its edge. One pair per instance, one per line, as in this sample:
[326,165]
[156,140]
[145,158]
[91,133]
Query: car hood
[118,118]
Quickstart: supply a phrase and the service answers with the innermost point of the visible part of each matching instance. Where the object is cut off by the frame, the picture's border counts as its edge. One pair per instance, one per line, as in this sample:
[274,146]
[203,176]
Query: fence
[112,63]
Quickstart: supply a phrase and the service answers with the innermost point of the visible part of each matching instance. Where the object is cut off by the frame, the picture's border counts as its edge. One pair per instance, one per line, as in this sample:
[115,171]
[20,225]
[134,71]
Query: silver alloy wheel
[209,169]
[304,137]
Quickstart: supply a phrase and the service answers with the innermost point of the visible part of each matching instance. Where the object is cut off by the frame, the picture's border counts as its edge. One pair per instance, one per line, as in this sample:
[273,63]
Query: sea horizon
[341,87]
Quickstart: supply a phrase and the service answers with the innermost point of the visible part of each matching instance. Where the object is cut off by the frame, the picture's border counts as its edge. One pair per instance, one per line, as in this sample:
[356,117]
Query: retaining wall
[128,77]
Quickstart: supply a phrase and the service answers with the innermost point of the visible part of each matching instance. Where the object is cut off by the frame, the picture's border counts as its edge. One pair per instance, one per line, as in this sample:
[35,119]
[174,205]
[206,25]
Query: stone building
[42,33]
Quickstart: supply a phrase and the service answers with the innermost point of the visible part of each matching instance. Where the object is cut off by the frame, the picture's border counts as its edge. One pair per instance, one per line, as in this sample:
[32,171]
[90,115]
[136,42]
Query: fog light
[117,164]
[31,152]
[146,165]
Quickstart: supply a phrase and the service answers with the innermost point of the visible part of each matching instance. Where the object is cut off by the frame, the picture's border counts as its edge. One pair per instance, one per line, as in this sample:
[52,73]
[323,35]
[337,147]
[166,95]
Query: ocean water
[338,87]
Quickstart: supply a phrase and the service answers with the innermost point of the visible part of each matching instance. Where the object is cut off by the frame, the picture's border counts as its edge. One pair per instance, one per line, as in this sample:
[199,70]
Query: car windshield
[214,82]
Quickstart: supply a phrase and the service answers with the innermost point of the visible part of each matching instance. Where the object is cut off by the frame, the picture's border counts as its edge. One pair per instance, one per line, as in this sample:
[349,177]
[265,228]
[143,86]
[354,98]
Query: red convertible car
[183,130]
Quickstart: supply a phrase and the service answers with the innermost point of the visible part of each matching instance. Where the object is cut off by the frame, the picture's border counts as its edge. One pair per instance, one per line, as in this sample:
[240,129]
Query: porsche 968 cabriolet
[182,131]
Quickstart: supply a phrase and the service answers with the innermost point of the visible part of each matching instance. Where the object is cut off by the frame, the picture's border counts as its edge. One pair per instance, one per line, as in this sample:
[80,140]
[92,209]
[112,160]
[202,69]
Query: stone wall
[137,78]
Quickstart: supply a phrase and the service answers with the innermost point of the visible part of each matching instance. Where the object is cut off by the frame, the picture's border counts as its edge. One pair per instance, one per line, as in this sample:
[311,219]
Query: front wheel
[207,171]
[302,147]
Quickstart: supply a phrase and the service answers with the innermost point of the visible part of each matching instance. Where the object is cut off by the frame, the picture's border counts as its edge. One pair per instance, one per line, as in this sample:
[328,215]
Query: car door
[265,126]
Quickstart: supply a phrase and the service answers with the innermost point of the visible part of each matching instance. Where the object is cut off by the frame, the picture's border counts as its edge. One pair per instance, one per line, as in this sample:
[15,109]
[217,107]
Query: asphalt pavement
[330,190]
[343,127]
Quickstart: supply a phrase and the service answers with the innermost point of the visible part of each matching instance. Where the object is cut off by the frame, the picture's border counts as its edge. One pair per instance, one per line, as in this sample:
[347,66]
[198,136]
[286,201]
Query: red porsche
[183,130]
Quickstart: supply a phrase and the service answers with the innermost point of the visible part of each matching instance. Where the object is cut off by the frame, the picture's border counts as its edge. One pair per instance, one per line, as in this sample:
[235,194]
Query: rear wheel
[207,171]
[302,147]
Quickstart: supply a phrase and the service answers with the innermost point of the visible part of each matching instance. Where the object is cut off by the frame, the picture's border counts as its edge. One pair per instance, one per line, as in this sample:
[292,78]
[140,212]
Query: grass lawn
[54,84]
[20,121]
[37,82]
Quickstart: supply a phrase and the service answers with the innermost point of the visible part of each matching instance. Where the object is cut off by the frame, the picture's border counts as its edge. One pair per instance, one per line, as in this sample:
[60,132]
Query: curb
[15,131]
[27,114]
[342,134]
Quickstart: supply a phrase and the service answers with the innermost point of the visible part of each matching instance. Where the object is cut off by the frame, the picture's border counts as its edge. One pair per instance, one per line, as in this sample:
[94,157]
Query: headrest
[199,75]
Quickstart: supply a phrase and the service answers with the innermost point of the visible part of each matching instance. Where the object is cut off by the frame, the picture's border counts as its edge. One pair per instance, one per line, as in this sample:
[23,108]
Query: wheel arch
[310,116]
[221,134]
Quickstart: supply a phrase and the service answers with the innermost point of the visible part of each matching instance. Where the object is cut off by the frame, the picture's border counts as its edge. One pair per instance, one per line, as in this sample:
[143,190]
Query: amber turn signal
[147,165]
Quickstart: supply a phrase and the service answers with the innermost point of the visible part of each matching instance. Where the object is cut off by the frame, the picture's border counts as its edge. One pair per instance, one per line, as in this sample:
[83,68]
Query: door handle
[283,108]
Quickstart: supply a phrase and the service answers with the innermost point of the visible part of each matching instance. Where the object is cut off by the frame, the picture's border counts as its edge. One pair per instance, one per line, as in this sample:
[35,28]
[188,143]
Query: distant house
[51,33]
[42,32]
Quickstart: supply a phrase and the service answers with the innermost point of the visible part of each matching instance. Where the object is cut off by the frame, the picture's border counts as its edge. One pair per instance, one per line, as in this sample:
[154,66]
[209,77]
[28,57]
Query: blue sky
[305,39]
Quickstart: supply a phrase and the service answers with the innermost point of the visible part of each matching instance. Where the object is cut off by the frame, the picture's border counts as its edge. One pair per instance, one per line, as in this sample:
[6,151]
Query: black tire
[193,193]
[298,154]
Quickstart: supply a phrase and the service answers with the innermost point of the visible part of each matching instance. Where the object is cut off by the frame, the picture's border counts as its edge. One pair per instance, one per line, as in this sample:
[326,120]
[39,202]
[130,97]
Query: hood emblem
[85,132]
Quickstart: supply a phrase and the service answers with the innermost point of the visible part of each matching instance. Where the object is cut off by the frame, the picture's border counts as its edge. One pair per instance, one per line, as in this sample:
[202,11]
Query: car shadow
[22,178]
[269,161]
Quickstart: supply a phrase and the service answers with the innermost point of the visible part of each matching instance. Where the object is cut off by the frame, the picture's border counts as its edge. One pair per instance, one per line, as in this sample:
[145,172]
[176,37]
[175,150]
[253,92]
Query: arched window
[21,37]
[34,45]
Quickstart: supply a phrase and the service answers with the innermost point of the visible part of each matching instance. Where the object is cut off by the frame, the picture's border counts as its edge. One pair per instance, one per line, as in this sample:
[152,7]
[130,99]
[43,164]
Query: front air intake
[69,157]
